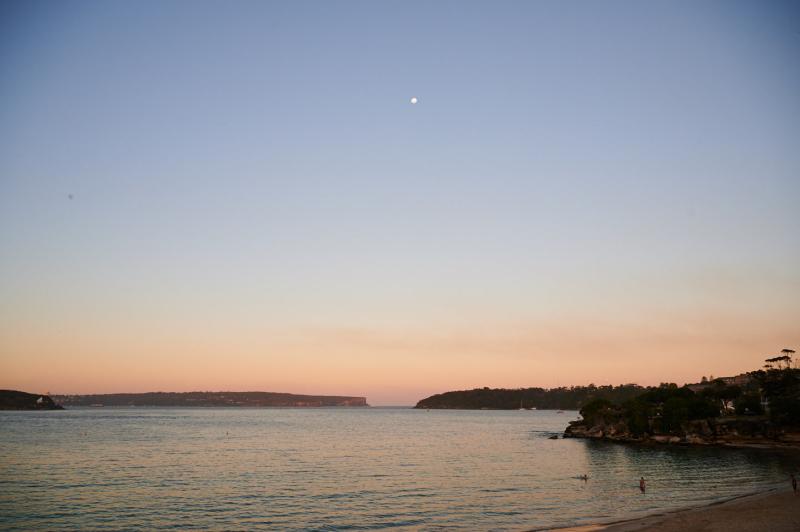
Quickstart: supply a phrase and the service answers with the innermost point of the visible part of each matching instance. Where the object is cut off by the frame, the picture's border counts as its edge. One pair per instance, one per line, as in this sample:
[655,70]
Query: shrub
[749,403]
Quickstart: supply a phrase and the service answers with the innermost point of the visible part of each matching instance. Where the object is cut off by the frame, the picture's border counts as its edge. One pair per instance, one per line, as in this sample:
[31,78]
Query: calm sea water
[338,469]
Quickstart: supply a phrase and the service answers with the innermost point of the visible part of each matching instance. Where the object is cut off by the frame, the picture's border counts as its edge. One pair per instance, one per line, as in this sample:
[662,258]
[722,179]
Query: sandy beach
[777,510]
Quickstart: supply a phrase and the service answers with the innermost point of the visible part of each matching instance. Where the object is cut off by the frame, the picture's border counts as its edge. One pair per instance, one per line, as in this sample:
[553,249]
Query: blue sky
[258,164]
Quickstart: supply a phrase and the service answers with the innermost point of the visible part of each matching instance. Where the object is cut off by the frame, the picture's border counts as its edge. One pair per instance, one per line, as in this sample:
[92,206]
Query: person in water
[642,484]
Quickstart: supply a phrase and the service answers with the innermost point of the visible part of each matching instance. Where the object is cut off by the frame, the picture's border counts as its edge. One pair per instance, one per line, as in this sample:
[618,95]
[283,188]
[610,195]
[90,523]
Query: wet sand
[777,510]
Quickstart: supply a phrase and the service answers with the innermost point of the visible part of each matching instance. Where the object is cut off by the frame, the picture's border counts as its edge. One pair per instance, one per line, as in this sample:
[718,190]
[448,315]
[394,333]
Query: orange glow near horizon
[582,194]
[392,366]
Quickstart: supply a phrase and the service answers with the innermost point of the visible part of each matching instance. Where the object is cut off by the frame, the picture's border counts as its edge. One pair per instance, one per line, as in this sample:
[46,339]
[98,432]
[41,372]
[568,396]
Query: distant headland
[210,399]
[571,398]
[15,400]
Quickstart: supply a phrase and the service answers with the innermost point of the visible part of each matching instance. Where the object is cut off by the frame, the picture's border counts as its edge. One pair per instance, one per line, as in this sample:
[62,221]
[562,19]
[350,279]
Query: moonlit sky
[599,192]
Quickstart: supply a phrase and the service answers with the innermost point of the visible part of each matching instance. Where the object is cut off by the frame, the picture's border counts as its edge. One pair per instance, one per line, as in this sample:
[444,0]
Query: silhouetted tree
[784,359]
[788,353]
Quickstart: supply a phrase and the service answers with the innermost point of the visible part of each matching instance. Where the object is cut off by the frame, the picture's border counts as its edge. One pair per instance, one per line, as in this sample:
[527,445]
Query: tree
[749,403]
[785,359]
[637,416]
[723,393]
[597,410]
[674,413]
[788,353]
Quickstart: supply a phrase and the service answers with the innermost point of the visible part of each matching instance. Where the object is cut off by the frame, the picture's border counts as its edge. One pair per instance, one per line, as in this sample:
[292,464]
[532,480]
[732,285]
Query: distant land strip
[571,398]
[208,399]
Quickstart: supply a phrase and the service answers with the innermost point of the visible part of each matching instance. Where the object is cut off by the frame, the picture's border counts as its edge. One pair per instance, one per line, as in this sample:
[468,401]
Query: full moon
[414,100]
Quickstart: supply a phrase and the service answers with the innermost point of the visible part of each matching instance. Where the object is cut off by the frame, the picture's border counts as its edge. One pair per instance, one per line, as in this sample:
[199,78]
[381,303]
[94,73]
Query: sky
[202,195]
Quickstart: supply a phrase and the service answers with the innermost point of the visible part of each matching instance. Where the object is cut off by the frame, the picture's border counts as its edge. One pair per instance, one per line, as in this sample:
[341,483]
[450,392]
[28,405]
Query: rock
[595,432]
[576,429]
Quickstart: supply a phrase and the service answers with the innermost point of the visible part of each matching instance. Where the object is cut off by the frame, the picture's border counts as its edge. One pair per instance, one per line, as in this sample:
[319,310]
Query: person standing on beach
[642,484]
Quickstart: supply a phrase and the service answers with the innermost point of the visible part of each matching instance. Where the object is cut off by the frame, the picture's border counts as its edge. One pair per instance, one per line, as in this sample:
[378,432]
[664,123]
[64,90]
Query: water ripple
[341,469]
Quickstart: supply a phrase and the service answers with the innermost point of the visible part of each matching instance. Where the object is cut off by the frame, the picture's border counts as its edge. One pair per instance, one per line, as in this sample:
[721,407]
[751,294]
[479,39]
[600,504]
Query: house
[743,379]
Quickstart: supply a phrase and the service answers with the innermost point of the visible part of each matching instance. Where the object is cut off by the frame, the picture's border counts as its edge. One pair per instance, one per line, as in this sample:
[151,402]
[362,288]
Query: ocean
[343,469]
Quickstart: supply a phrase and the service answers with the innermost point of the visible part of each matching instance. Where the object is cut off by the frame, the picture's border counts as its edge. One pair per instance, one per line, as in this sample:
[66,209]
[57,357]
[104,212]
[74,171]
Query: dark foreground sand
[774,511]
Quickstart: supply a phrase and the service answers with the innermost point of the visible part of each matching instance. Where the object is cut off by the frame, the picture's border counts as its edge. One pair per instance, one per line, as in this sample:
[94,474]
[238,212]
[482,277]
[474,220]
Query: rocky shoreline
[733,431]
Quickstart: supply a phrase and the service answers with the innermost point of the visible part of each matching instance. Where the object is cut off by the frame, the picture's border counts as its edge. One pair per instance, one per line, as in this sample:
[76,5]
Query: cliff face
[756,431]
[15,400]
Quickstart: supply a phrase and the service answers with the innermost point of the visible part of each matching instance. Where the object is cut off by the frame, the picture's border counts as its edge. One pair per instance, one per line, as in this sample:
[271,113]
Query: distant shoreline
[775,509]
[227,399]
[60,408]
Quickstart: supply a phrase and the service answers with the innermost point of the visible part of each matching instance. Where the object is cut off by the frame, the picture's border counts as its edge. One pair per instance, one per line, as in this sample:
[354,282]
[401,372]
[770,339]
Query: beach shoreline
[776,509]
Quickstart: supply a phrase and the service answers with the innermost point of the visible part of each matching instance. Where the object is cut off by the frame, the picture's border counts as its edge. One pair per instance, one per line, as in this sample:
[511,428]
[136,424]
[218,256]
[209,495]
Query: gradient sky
[599,192]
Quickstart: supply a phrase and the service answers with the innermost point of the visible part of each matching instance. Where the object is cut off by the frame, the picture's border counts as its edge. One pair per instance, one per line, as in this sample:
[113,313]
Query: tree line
[563,398]
[774,391]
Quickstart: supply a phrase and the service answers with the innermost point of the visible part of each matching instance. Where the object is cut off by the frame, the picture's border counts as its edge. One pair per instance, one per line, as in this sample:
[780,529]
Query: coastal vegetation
[563,398]
[759,406]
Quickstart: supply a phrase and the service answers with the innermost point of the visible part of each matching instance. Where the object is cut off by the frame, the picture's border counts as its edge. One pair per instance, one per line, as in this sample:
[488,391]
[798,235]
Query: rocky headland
[733,431]
[16,400]
[759,409]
